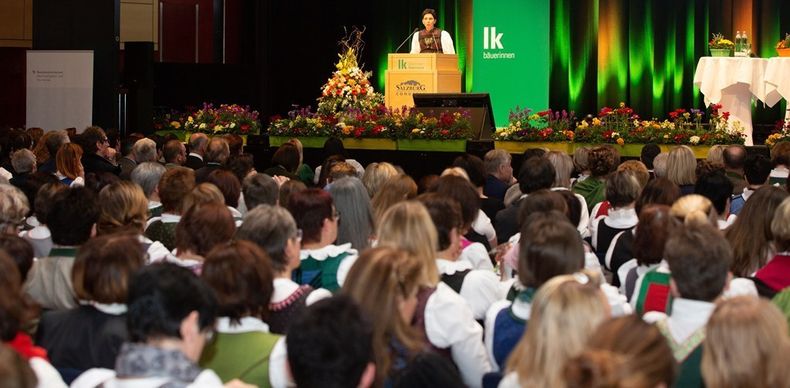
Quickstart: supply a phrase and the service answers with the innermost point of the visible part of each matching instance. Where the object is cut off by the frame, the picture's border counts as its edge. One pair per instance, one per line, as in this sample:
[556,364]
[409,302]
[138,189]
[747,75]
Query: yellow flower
[620,141]
[415,130]
[218,128]
[202,126]
[596,121]
[190,119]
[175,124]
[583,124]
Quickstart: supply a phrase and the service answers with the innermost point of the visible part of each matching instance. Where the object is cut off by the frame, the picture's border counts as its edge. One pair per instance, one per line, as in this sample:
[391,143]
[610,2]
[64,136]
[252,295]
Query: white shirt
[283,288]
[449,323]
[477,255]
[687,317]
[618,218]
[105,378]
[584,217]
[480,288]
[196,155]
[482,225]
[447,43]
[46,374]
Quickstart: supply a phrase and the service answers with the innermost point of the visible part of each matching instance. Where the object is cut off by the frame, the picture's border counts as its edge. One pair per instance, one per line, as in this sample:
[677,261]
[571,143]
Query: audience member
[602,161]
[197,150]
[52,142]
[622,191]
[202,228]
[751,234]
[216,156]
[174,186]
[395,190]
[352,201]
[734,157]
[780,161]
[99,156]
[715,186]
[647,155]
[175,154]
[499,173]
[143,150]
[259,189]
[774,275]
[285,161]
[681,165]
[70,170]
[756,169]
[536,173]
[376,174]
[147,175]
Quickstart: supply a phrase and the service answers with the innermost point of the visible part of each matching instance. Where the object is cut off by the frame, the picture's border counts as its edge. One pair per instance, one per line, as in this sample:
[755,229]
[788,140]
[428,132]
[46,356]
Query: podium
[408,74]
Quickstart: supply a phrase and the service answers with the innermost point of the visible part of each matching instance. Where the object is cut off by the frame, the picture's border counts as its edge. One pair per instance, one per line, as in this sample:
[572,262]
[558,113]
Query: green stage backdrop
[510,54]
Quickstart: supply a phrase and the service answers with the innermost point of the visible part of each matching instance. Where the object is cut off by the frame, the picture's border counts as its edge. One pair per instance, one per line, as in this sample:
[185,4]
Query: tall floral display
[349,88]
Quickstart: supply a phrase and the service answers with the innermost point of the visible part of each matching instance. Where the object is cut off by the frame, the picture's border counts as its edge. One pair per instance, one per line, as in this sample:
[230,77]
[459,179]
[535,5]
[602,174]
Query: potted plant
[720,47]
[783,47]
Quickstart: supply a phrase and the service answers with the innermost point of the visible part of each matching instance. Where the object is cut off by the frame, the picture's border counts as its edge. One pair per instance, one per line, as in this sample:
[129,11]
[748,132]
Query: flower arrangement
[169,119]
[349,87]
[784,43]
[719,42]
[226,118]
[545,125]
[446,125]
[781,133]
[622,126]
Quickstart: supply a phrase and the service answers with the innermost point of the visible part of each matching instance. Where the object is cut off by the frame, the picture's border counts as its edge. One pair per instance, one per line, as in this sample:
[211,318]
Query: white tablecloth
[732,82]
[777,81]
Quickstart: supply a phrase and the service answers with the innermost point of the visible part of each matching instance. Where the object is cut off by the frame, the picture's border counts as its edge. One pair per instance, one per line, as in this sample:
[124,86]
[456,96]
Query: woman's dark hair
[430,11]
[74,212]
[445,213]
[241,276]
[286,156]
[241,165]
[541,201]
[162,295]
[474,168]
[602,161]
[549,246]
[203,227]
[655,225]
[659,191]
[310,208]
[326,168]
[461,190]
[103,267]
[228,185]
[19,250]
[574,212]
[16,309]
[334,146]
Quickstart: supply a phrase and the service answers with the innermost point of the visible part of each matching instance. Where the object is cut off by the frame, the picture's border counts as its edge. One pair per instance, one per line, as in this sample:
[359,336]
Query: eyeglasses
[336,214]
[298,235]
[105,140]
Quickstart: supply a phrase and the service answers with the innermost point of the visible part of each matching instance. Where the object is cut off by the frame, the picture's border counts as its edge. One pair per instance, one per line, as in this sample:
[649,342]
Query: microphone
[407,39]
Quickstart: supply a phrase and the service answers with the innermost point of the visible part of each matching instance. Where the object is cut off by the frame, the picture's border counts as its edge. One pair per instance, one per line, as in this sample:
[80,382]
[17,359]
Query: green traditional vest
[319,273]
[688,354]
[243,356]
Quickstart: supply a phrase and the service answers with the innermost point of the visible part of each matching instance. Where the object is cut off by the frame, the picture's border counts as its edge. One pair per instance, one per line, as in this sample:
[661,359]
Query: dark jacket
[96,164]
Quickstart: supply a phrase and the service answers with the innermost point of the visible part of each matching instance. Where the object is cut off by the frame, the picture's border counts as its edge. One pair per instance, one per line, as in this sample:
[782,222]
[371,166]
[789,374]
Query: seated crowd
[147,262]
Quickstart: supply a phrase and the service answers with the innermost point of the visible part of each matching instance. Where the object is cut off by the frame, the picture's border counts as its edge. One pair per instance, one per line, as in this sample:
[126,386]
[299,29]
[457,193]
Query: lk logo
[492,40]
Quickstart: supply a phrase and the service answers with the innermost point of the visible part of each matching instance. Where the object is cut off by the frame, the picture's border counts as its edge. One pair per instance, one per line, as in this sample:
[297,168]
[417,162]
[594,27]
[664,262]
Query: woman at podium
[431,39]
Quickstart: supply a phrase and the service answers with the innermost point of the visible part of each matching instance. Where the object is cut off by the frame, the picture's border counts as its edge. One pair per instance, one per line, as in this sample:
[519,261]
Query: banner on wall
[511,57]
[59,89]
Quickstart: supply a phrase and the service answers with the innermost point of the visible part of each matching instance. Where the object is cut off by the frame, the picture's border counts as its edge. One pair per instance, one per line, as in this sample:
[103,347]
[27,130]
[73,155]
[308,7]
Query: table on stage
[777,82]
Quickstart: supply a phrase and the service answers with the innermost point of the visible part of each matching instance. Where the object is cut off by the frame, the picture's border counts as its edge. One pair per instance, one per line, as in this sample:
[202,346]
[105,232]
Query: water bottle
[738,43]
[745,44]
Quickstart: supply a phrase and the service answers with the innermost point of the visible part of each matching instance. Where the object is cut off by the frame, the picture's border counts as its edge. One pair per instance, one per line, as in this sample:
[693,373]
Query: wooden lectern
[408,74]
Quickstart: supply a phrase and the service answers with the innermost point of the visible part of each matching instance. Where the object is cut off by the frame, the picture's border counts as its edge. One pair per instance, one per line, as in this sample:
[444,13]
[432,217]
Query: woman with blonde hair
[396,189]
[563,168]
[376,174]
[565,312]
[384,282]
[694,208]
[681,168]
[123,208]
[746,345]
[69,165]
[441,315]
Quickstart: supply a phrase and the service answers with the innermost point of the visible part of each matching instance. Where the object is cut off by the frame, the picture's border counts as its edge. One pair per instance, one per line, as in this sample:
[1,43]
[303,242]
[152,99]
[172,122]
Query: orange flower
[620,141]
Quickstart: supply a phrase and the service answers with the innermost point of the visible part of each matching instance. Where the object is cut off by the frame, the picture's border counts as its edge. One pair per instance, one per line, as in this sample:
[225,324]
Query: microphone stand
[406,40]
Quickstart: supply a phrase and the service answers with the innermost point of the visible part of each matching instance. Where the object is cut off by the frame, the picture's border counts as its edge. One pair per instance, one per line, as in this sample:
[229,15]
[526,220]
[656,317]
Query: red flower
[244,128]
[359,132]
[544,113]
[605,111]
[607,134]
[725,115]
[444,132]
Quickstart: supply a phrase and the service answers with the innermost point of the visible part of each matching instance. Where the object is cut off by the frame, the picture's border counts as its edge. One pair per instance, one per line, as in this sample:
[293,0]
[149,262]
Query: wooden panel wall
[16,23]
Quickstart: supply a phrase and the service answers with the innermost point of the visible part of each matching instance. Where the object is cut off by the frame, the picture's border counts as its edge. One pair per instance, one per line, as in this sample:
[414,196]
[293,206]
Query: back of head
[13,208]
[474,168]
[341,170]
[638,169]
[446,215]
[55,140]
[758,330]
[122,208]
[162,295]
[376,174]
[734,157]
[623,352]
[127,144]
[104,266]
[74,212]
[622,188]
[228,185]
[235,143]
[660,164]
[716,154]
[549,246]
[334,146]
[197,143]
[581,159]
[660,191]
[351,200]
[681,166]
[565,312]
[542,201]
[756,168]
[396,189]
[15,308]
[202,194]
[648,154]
[144,150]
[408,226]
[716,187]
[287,156]
[536,173]
[67,160]
[203,227]
[217,151]
[655,225]
[270,227]
[90,137]
[699,258]
[174,186]
[147,175]
[310,208]
[780,226]
[333,347]
[462,191]
[563,168]
[602,161]
[20,251]
[172,150]
[241,276]
[780,154]
[494,159]
[694,209]
[259,189]
[751,233]
[23,161]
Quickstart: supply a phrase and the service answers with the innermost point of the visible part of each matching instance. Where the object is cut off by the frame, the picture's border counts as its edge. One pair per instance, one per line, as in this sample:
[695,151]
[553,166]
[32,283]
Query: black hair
[330,344]
[756,168]
[648,154]
[428,369]
[716,187]
[73,214]
[699,257]
[160,297]
[20,251]
[474,168]
[536,173]
[334,146]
